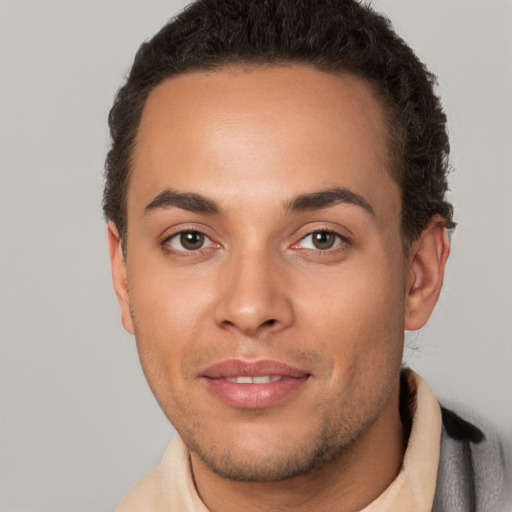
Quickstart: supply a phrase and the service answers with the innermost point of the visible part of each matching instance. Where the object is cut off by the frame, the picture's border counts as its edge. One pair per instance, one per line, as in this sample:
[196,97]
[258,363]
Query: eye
[189,241]
[321,240]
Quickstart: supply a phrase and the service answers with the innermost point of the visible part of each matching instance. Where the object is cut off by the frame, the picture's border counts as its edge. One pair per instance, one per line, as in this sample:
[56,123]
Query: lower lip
[254,396]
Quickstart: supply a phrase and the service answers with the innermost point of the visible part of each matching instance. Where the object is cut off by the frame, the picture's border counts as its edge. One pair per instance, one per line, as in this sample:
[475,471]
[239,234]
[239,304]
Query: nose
[252,295]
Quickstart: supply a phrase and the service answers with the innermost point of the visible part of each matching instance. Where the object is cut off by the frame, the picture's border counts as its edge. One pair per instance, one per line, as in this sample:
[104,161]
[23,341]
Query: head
[275,196]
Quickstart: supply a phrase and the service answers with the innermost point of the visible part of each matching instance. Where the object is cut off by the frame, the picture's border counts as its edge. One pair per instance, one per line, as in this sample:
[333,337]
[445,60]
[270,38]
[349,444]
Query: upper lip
[239,367]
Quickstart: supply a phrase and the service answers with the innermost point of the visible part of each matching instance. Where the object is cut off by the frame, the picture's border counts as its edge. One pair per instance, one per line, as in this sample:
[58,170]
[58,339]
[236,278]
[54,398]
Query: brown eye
[188,241]
[323,239]
[191,240]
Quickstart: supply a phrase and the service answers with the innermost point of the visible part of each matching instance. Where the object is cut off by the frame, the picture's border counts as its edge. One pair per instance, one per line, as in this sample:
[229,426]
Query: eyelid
[177,231]
[343,234]
[337,242]
[177,236]
[340,241]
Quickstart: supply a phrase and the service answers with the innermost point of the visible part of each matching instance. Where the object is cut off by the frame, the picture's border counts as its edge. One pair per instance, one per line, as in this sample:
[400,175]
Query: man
[277,218]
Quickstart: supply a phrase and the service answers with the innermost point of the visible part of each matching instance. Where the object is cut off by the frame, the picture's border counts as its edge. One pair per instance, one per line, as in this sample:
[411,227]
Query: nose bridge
[252,297]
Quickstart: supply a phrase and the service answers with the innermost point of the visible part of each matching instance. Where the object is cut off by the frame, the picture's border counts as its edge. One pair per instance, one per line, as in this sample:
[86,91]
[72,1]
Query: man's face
[264,242]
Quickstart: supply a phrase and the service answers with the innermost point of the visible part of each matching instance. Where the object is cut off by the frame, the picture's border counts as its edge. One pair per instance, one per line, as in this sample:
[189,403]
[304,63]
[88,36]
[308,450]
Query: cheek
[356,314]
[162,298]
[168,316]
[168,313]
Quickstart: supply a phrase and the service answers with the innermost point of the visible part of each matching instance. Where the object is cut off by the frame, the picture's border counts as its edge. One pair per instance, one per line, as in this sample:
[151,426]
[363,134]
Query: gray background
[78,425]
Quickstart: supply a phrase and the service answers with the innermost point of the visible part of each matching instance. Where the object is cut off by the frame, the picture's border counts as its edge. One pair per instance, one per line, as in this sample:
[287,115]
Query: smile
[253,384]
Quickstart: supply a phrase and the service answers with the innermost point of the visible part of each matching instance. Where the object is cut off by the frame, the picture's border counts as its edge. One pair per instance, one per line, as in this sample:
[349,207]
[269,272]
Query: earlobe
[426,263]
[119,278]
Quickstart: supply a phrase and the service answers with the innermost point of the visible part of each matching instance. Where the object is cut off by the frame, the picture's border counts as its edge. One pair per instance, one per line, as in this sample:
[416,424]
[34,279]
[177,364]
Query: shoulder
[146,495]
[168,487]
[472,469]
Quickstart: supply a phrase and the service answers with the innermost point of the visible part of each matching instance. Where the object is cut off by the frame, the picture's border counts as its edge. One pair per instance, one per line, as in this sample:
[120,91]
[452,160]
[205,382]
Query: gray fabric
[472,475]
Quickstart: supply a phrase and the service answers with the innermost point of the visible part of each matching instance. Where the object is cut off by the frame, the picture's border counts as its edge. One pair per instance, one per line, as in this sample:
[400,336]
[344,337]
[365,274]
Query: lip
[253,396]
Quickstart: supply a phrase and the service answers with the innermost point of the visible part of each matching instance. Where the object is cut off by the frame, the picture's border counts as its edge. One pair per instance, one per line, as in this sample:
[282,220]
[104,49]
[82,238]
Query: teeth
[260,379]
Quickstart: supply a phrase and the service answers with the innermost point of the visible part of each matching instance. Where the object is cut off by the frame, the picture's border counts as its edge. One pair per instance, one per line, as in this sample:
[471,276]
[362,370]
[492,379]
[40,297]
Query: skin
[259,288]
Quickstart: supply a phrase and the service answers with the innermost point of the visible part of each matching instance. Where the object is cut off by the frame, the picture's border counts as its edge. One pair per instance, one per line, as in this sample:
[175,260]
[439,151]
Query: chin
[259,458]
[283,464]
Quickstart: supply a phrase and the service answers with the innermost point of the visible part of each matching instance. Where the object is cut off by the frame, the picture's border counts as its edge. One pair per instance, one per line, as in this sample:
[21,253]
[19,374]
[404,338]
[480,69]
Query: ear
[425,273]
[118,265]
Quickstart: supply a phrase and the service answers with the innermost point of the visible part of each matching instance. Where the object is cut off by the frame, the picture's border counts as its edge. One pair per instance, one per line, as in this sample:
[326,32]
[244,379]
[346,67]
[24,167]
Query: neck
[355,479]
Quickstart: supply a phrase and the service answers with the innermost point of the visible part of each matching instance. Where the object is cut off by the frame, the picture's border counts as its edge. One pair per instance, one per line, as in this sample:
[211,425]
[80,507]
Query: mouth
[253,384]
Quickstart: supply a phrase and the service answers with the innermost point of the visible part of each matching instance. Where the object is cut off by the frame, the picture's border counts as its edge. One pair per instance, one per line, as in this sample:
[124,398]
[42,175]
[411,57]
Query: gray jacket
[472,476]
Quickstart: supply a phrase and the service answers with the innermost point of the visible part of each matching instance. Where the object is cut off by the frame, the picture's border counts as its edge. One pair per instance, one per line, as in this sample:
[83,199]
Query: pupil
[192,240]
[323,240]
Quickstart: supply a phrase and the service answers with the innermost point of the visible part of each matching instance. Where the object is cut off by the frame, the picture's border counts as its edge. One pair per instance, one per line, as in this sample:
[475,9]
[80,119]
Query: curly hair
[333,36]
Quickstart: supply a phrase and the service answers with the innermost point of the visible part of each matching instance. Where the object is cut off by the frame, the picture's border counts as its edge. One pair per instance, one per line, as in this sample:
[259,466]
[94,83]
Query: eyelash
[342,243]
[186,252]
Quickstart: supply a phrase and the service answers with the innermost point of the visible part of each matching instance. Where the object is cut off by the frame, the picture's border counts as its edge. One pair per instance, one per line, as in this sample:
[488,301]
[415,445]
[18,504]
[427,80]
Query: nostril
[272,321]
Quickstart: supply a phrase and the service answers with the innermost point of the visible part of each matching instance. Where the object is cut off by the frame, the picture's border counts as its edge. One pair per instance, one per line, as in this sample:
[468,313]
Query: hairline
[248,65]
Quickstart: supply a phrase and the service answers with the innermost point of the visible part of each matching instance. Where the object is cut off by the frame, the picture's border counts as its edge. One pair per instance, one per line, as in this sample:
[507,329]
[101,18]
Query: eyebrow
[184,200]
[305,202]
[327,198]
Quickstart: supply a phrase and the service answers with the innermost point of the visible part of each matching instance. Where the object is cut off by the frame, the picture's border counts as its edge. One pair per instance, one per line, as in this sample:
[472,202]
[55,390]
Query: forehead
[229,131]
